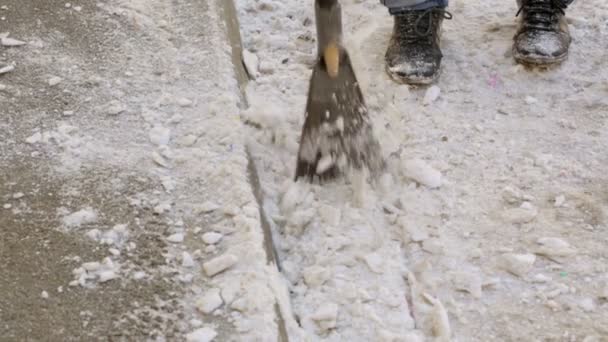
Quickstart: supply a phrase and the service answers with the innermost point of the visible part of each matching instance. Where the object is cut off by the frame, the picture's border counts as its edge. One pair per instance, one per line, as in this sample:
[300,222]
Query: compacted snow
[490,222]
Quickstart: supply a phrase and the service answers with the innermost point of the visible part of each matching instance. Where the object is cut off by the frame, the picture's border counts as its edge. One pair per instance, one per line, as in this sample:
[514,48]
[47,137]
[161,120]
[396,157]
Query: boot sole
[416,81]
[536,61]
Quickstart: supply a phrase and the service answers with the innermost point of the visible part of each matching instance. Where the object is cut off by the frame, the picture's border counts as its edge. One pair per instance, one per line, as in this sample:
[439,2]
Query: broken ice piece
[107,275]
[210,301]
[219,264]
[211,238]
[554,247]
[115,108]
[252,63]
[18,195]
[187,260]
[326,316]
[375,263]
[184,102]
[162,208]
[160,160]
[324,164]
[6,68]
[44,295]
[421,172]
[80,217]
[159,135]
[55,80]
[34,138]
[541,278]
[11,42]
[201,335]
[587,304]
[431,95]
[531,100]
[517,264]
[176,238]
[139,275]
[441,322]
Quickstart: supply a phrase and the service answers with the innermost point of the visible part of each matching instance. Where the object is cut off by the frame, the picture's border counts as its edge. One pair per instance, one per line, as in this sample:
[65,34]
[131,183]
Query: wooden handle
[331,56]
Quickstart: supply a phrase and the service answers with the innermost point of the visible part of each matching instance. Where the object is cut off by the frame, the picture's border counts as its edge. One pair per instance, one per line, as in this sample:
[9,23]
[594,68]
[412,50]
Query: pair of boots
[414,55]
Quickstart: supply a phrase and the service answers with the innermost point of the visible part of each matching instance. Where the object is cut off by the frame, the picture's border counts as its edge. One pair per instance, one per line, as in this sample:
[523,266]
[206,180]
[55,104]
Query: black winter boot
[414,55]
[542,37]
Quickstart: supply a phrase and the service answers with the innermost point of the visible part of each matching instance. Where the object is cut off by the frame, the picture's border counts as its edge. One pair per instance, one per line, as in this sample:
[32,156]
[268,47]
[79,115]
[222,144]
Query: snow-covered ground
[491,222]
[127,152]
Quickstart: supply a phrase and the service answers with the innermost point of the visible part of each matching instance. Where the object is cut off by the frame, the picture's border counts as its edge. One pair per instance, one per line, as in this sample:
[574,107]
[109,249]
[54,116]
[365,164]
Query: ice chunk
[554,247]
[78,218]
[421,172]
[211,238]
[55,80]
[431,95]
[517,264]
[201,335]
[219,264]
[210,301]
[176,238]
[160,135]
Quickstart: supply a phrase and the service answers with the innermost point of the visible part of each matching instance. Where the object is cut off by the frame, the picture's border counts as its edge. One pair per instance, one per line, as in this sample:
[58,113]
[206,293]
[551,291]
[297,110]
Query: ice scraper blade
[337,135]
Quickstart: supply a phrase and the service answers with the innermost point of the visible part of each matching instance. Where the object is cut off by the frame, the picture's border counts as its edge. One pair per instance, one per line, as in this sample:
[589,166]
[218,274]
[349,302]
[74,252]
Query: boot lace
[419,26]
[541,14]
